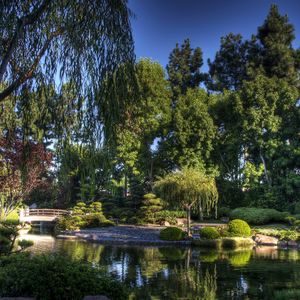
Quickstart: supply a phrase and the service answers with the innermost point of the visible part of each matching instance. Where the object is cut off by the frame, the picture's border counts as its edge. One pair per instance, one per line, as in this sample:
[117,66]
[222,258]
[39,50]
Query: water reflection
[188,273]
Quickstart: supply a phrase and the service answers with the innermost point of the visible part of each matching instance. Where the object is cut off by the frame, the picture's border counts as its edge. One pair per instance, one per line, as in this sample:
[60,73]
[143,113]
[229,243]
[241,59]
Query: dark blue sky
[160,24]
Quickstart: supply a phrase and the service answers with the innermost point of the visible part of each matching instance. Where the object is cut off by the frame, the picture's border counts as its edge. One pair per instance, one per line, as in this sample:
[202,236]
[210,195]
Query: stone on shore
[261,239]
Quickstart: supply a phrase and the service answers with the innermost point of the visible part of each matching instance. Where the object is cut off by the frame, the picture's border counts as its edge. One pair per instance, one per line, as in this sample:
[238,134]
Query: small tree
[9,244]
[150,206]
[187,188]
[21,166]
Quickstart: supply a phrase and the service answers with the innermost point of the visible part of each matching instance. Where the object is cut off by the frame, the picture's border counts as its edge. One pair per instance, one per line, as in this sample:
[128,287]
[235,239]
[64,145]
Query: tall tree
[229,67]
[191,141]
[275,37]
[184,68]
[144,122]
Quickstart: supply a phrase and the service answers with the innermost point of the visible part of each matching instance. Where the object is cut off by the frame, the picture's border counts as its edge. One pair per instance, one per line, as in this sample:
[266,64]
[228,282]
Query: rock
[225,219]
[282,244]
[261,239]
[95,298]
[16,298]
[181,221]
[166,223]
[293,244]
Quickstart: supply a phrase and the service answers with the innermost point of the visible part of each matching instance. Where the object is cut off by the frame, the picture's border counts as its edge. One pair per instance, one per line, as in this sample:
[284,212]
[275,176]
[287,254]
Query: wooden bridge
[40,215]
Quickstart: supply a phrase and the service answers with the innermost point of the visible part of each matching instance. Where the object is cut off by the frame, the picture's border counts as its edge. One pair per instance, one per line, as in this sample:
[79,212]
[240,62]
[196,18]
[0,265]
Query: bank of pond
[181,272]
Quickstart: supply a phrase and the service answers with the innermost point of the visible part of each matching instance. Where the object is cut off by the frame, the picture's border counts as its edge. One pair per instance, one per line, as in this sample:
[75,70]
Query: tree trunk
[200,211]
[188,219]
[216,212]
[125,185]
[265,167]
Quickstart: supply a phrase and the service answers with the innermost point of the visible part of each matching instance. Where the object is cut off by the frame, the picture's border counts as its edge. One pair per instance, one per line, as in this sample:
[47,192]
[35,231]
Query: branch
[24,21]
[29,73]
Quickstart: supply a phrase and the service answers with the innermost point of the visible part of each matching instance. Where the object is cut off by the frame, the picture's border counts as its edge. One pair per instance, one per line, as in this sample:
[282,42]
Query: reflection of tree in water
[184,273]
[81,250]
[210,285]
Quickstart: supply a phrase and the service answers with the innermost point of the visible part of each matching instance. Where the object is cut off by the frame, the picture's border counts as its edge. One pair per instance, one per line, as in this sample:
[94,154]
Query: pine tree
[184,68]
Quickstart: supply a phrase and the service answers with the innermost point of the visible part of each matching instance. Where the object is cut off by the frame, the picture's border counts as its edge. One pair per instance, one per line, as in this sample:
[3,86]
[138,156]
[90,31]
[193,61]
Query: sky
[159,24]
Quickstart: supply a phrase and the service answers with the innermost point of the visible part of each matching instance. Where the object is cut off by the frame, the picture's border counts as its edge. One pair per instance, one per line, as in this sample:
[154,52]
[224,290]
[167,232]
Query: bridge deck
[42,215]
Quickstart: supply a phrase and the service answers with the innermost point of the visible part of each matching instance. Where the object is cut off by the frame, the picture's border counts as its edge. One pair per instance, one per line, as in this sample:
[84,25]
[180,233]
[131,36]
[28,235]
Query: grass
[225,243]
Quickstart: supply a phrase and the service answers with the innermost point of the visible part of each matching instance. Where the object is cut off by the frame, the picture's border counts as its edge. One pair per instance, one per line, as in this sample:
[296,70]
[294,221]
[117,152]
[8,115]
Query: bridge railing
[44,212]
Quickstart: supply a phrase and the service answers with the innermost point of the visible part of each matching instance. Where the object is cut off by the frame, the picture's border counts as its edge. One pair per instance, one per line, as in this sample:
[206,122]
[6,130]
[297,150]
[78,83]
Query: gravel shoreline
[122,234]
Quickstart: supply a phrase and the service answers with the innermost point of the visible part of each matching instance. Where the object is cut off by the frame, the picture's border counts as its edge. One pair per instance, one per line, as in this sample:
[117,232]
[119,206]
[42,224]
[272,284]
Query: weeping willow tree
[50,43]
[187,188]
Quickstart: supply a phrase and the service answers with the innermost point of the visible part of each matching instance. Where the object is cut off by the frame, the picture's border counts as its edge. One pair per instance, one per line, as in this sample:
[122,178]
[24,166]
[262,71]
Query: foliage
[44,39]
[150,207]
[224,211]
[193,132]
[290,234]
[286,294]
[75,222]
[258,216]
[171,234]
[9,231]
[47,276]
[186,188]
[225,243]
[95,220]
[22,164]
[239,228]
[184,68]
[169,216]
[209,233]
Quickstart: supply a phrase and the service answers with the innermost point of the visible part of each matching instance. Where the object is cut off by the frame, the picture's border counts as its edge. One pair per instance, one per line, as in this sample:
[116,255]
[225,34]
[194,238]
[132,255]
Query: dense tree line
[239,123]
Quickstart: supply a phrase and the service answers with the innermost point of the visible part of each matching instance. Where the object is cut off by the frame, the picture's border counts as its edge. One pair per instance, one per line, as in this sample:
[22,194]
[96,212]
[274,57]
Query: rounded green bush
[258,216]
[239,228]
[171,234]
[55,277]
[209,233]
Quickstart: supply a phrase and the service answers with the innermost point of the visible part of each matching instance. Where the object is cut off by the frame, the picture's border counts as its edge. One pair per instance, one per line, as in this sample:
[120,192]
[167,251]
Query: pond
[188,273]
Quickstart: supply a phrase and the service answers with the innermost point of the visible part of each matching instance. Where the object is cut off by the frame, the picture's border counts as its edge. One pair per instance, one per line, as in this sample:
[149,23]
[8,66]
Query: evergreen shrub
[171,234]
[258,216]
[209,233]
[239,228]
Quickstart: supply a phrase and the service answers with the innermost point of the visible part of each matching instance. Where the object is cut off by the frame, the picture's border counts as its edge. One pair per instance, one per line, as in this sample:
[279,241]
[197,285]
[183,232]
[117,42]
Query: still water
[189,273]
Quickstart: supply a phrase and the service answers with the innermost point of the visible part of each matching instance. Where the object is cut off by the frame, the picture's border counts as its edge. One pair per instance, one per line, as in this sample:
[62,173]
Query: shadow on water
[189,273]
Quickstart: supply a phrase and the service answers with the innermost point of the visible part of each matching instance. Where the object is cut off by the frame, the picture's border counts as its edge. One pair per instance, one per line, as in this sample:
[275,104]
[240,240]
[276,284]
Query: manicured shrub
[171,234]
[209,233]
[95,208]
[223,211]
[79,222]
[55,277]
[239,228]
[150,206]
[258,216]
[169,216]
[79,209]
[69,223]
[93,220]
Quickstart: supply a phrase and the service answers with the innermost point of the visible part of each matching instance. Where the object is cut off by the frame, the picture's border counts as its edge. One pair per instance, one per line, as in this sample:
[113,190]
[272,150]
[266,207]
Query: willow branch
[29,73]
[22,22]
